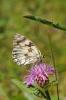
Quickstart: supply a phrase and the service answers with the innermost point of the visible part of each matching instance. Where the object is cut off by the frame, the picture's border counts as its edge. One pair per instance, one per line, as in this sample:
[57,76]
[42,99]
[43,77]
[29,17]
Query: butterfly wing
[24,51]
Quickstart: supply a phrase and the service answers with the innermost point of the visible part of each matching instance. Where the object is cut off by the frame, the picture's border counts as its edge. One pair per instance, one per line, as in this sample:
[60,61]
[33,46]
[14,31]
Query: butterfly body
[24,51]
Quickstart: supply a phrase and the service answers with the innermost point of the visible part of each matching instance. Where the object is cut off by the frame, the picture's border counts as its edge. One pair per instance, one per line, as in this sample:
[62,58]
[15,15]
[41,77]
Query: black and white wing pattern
[24,51]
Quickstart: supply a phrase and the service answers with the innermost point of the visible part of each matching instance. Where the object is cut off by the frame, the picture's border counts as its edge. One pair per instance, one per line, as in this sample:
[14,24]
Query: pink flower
[39,73]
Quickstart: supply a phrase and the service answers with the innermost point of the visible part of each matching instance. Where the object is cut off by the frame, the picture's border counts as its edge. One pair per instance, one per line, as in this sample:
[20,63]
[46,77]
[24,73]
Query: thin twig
[44,21]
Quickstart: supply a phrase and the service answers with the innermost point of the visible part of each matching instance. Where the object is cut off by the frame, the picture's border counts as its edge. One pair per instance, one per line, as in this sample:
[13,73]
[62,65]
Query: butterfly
[25,51]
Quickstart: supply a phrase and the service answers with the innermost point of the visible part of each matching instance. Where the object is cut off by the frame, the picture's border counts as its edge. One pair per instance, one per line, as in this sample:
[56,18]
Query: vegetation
[12,21]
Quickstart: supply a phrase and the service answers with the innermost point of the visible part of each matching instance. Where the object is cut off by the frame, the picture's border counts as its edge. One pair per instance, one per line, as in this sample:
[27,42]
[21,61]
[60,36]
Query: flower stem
[47,95]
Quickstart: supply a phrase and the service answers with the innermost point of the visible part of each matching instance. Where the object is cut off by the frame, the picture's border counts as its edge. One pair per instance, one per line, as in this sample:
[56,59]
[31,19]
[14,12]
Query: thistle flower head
[39,73]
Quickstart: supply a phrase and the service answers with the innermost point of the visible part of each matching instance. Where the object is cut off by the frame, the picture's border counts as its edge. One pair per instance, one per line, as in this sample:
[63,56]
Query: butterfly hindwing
[24,51]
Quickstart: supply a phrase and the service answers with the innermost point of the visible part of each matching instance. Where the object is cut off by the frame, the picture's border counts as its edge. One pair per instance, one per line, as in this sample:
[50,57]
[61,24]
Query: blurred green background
[12,21]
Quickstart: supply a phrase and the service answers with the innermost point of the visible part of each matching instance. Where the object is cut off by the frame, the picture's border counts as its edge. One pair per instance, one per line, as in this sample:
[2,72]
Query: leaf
[27,92]
[47,22]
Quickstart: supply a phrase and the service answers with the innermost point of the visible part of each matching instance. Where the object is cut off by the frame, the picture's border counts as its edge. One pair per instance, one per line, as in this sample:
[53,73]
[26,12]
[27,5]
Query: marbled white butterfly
[24,50]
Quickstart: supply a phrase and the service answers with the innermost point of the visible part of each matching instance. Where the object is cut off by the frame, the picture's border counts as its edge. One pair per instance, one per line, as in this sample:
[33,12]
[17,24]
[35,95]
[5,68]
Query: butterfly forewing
[24,51]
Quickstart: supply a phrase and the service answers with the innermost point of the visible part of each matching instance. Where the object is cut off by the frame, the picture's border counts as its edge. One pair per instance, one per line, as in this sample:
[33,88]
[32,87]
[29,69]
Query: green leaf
[27,92]
[47,22]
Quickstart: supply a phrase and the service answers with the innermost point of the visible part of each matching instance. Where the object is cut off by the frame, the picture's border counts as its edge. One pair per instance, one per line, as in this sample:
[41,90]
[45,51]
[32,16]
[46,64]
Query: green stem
[44,92]
[47,95]
[50,42]
[44,21]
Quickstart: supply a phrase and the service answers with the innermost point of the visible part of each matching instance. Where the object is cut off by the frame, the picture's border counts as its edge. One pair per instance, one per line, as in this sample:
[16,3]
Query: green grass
[12,21]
